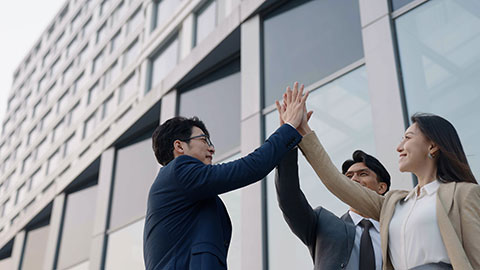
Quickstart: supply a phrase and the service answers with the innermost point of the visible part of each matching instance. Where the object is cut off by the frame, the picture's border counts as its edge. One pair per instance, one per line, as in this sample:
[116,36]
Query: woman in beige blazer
[434,226]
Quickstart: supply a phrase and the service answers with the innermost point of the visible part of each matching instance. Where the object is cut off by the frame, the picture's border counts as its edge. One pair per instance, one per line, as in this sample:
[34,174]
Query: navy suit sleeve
[202,181]
[298,213]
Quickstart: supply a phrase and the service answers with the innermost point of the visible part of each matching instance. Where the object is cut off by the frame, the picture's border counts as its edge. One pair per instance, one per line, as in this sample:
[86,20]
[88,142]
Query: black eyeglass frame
[207,139]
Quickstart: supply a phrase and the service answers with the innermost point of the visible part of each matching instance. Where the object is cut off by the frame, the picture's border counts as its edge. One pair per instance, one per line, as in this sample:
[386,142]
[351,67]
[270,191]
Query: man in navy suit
[334,243]
[187,225]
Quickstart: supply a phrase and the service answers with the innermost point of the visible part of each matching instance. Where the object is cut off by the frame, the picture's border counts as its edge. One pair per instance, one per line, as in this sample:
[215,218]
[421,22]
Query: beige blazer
[458,207]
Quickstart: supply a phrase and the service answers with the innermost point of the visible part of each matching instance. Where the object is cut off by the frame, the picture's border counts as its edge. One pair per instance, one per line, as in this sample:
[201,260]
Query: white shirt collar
[429,189]
[356,218]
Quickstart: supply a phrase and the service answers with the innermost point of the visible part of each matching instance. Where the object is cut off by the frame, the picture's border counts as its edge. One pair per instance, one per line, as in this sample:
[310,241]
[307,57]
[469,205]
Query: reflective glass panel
[216,101]
[342,120]
[125,248]
[306,41]
[76,235]
[34,250]
[164,62]
[164,9]
[233,203]
[135,170]
[205,21]
[439,52]
[396,4]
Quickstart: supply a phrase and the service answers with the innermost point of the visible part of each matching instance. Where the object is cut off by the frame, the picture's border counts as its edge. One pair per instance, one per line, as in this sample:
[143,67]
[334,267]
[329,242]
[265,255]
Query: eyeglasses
[204,137]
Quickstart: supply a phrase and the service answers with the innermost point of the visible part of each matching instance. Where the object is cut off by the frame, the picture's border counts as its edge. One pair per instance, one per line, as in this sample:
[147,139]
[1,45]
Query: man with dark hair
[349,242]
[187,225]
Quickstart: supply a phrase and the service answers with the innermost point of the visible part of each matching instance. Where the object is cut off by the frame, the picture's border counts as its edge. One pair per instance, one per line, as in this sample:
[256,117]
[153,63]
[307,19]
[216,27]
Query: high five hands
[294,110]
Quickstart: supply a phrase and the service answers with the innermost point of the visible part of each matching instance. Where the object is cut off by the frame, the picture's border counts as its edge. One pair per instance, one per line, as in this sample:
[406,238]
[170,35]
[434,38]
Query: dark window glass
[216,101]
[77,229]
[306,41]
[440,61]
[135,170]
[396,4]
[125,248]
[34,252]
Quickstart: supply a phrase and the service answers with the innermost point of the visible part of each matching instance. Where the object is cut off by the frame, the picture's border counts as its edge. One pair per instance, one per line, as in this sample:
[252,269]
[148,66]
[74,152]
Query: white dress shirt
[353,262]
[414,237]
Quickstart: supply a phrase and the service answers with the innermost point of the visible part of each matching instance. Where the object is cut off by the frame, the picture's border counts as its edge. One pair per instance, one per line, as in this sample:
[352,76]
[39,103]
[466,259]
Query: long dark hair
[452,164]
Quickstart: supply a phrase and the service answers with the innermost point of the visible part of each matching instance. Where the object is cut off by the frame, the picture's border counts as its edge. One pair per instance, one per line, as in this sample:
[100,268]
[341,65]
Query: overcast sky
[21,24]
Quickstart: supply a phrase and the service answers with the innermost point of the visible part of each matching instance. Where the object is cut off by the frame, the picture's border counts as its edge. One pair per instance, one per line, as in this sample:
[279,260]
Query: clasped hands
[293,109]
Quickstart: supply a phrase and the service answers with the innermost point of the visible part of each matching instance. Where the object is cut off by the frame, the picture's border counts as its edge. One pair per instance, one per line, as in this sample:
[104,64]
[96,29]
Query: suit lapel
[445,195]
[385,218]
[350,229]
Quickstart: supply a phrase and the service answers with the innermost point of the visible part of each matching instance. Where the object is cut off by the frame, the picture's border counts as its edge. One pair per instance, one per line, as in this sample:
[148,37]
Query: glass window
[343,122]
[107,107]
[55,67]
[309,53]
[104,6]
[72,46]
[129,201]
[134,21]
[90,124]
[117,13]
[163,62]
[440,65]
[101,33]
[92,93]
[164,9]
[74,114]
[221,118]
[233,203]
[34,249]
[125,248]
[115,41]
[396,4]
[82,54]
[87,27]
[131,53]
[67,74]
[77,229]
[36,178]
[21,192]
[128,88]
[97,62]
[205,22]
[52,162]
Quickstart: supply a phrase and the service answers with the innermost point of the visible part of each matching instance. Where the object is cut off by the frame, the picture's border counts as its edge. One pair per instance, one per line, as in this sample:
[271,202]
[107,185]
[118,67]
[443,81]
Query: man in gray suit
[349,242]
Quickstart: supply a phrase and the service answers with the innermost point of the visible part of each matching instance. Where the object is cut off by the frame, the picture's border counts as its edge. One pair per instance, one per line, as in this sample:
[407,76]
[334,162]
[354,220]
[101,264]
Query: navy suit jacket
[329,238]
[187,225]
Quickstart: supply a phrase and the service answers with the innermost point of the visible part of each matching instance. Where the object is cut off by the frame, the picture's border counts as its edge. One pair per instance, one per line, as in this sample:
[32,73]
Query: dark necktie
[367,256]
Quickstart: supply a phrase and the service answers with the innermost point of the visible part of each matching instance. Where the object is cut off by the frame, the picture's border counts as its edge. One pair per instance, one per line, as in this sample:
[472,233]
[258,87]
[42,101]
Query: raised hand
[293,108]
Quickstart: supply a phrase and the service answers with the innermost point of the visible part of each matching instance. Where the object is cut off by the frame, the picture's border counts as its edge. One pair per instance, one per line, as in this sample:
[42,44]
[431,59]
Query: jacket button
[225,243]
[342,265]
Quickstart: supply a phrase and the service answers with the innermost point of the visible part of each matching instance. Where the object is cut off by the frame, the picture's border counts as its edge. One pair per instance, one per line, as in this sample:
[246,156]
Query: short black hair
[176,128]
[372,163]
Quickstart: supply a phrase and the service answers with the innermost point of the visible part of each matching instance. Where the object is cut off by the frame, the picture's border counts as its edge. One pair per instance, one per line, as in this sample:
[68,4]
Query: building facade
[76,161]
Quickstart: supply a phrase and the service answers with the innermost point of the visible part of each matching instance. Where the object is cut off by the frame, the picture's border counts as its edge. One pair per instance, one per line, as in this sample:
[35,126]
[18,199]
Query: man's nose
[356,178]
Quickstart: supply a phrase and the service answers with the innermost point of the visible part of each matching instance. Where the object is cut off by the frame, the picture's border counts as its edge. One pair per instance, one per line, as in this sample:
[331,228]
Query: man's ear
[382,188]
[178,148]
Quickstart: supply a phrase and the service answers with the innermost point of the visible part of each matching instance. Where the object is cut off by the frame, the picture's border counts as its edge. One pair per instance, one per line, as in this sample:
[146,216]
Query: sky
[21,24]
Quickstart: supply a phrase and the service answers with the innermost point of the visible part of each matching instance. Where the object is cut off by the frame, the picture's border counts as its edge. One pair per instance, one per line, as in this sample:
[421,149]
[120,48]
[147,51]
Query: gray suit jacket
[328,237]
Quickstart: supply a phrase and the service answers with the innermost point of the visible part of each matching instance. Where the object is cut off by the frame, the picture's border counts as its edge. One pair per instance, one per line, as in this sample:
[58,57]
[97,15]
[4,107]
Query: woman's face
[413,150]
